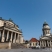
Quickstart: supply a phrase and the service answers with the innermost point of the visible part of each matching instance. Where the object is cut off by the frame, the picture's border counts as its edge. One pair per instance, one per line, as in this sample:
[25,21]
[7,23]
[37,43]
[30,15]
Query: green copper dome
[45,22]
[45,25]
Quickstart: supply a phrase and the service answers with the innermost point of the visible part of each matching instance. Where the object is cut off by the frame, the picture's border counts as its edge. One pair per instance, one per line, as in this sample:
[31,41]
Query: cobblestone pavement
[25,50]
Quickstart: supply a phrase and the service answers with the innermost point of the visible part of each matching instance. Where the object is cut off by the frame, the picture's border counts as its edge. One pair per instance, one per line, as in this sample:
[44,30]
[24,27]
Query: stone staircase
[16,46]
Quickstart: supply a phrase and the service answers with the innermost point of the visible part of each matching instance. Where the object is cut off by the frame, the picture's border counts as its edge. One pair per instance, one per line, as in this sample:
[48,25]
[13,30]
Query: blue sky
[28,14]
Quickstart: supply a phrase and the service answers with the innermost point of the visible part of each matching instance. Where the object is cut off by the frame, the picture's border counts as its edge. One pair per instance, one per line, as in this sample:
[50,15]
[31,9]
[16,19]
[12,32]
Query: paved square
[25,50]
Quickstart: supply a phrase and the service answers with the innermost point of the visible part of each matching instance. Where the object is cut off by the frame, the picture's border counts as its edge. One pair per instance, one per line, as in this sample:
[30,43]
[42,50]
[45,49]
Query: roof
[9,20]
[46,37]
[45,23]
[33,40]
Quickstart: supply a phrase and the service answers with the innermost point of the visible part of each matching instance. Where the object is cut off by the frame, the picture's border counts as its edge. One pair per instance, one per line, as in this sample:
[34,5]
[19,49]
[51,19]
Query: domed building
[46,38]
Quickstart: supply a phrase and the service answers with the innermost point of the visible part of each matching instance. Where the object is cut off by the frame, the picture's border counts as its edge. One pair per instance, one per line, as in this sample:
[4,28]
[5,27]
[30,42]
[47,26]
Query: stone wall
[32,44]
[5,45]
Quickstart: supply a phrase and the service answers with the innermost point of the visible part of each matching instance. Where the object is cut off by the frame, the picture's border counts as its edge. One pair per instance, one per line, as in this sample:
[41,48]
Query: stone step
[16,46]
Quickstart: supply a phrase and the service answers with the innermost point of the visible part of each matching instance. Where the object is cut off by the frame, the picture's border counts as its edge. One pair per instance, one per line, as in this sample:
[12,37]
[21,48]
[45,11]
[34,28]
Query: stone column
[50,44]
[11,36]
[42,44]
[17,41]
[3,37]
[0,33]
[7,36]
[45,43]
[19,38]
[14,41]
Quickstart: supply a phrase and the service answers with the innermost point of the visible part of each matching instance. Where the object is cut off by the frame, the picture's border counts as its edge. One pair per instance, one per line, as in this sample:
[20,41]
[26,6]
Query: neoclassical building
[9,31]
[46,37]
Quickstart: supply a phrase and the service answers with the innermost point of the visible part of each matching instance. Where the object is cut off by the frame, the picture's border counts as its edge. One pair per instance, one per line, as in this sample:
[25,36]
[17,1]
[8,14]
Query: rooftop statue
[10,20]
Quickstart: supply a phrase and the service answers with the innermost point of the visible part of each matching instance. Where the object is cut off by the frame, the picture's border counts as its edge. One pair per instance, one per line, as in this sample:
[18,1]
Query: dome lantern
[45,23]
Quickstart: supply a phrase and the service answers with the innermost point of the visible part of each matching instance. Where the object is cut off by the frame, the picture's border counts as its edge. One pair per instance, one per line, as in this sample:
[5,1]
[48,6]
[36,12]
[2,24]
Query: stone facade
[46,38]
[33,42]
[5,45]
[10,32]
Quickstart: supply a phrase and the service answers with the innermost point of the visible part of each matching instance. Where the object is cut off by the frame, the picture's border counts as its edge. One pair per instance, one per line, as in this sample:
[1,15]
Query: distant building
[46,38]
[33,42]
[9,31]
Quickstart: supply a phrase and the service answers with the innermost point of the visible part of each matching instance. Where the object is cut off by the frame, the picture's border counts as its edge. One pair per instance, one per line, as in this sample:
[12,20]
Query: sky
[29,15]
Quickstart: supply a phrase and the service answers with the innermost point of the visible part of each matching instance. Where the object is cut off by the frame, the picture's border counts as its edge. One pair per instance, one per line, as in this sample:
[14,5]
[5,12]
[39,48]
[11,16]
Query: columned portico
[9,31]
[10,36]
[46,43]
